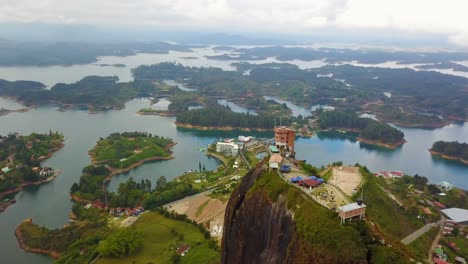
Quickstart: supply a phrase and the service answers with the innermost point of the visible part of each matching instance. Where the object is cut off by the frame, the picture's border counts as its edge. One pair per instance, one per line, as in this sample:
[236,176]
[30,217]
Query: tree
[204,169]
[160,183]
[199,166]
[148,185]
[124,242]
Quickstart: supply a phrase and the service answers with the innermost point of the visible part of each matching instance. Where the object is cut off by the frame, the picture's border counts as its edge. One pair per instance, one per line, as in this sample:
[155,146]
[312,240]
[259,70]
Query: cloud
[445,17]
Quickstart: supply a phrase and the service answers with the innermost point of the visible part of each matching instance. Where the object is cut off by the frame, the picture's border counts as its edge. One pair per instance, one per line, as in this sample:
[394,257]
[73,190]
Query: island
[222,118]
[93,93]
[165,218]
[451,150]
[369,131]
[402,96]
[115,154]
[20,161]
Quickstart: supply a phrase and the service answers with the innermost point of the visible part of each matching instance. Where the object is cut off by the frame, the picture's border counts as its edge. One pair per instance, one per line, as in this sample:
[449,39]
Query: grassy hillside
[161,236]
[421,246]
[318,230]
[394,222]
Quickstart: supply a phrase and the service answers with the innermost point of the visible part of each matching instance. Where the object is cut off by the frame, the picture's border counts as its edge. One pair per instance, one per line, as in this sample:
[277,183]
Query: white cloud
[446,17]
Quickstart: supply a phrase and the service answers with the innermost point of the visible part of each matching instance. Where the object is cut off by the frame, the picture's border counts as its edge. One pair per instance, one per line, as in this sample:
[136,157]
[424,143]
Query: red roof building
[439,205]
[427,211]
[183,250]
[310,183]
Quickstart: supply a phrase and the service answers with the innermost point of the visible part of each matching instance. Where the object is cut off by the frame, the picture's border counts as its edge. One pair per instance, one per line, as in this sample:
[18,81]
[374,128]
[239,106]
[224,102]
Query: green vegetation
[14,53]
[122,243]
[398,116]
[453,150]
[421,246]
[76,243]
[223,117]
[121,150]
[93,92]
[392,220]
[369,129]
[20,154]
[314,222]
[200,209]
[461,244]
[345,87]
[90,186]
[162,235]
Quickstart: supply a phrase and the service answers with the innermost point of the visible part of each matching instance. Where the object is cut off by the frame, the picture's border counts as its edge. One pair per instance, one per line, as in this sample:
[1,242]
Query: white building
[231,149]
[445,186]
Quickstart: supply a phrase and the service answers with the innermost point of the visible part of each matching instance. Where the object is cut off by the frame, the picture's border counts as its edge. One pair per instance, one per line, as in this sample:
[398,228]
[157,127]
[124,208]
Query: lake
[49,204]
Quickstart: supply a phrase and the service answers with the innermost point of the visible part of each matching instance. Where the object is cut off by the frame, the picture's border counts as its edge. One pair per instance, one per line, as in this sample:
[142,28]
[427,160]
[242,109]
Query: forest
[221,116]
[13,53]
[344,86]
[452,149]
[368,129]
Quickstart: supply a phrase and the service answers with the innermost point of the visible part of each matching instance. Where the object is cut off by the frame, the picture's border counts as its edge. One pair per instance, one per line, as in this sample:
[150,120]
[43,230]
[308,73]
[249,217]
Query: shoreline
[26,184]
[157,113]
[223,128]
[116,171]
[435,153]
[381,144]
[23,246]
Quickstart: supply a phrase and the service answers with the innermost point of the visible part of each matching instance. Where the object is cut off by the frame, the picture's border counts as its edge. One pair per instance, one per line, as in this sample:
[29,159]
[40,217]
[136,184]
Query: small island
[451,150]
[222,118]
[93,93]
[20,161]
[118,153]
[369,131]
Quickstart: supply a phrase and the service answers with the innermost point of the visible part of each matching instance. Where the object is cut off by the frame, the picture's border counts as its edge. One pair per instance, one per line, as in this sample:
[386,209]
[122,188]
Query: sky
[446,18]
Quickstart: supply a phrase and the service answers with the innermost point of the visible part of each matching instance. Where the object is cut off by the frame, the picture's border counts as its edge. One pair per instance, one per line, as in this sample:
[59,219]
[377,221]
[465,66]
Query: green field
[161,236]
[421,246]
[121,150]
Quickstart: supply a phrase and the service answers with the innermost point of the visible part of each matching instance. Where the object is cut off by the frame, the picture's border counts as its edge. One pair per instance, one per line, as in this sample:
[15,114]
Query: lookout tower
[284,138]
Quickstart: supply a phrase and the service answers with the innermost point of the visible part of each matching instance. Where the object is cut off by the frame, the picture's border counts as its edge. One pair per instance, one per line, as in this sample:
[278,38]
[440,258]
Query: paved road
[407,240]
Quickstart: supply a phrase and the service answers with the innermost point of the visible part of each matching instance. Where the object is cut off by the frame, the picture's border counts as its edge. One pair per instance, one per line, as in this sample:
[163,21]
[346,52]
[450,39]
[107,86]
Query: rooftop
[350,207]
[456,214]
[276,158]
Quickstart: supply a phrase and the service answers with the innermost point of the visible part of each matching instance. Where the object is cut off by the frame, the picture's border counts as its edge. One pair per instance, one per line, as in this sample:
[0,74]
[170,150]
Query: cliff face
[255,230]
[259,227]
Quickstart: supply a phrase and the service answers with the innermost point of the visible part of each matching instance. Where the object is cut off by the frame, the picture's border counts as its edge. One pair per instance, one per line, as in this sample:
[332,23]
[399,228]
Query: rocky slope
[267,221]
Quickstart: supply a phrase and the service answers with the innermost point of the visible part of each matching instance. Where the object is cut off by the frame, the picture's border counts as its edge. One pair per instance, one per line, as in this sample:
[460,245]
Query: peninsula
[118,153]
[20,161]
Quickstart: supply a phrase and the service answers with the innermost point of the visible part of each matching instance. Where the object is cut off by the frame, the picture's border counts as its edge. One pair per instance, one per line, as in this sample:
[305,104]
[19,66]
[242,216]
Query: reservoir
[49,204]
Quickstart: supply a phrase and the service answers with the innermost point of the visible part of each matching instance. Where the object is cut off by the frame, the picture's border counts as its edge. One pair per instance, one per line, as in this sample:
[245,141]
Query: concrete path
[407,240]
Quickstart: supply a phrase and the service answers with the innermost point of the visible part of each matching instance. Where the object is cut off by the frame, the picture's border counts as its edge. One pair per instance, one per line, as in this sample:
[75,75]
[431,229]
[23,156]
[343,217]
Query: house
[446,186]
[182,250]
[275,161]
[230,149]
[460,259]
[458,215]
[427,211]
[5,170]
[273,149]
[309,183]
[351,210]
[438,204]
[100,205]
